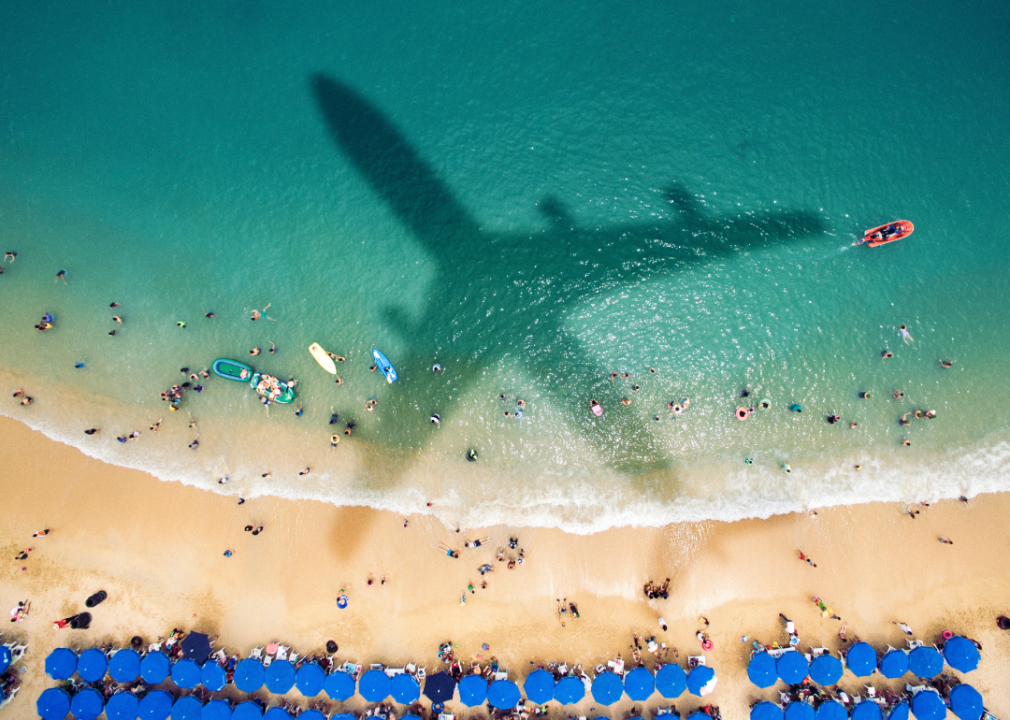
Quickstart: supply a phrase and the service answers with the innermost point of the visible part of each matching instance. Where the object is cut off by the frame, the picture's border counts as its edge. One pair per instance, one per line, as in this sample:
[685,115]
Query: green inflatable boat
[267,386]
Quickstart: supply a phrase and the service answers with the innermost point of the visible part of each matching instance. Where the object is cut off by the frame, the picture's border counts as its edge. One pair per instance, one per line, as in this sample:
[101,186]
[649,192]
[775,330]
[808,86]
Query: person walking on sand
[662,623]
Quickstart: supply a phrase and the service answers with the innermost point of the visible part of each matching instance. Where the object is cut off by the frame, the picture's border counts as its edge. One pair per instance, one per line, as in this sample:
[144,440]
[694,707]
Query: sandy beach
[157,549]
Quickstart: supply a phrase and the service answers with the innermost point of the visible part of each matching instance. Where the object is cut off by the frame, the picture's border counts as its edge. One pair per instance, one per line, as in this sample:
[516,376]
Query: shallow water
[533,198]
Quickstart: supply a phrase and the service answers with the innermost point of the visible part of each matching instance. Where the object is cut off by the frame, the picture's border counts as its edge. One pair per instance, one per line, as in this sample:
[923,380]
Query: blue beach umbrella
[826,670]
[87,704]
[310,680]
[186,674]
[61,664]
[248,676]
[671,681]
[276,713]
[472,690]
[699,715]
[961,654]
[966,702]
[925,662]
[187,708]
[607,688]
[866,710]
[927,705]
[247,710]
[569,690]
[53,704]
[313,714]
[123,705]
[343,716]
[408,716]
[861,659]
[374,686]
[799,711]
[404,688]
[216,710]
[5,658]
[91,665]
[894,664]
[792,667]
[339,685]
[831,710]
[196,647]
[439,687]
[761,671]
[155,667]
[899,711]
[213,677]
[124,667]
[765,710]
[639,684]
[503,694]
[156,705]
[539,687]
[699,678]
[280,676]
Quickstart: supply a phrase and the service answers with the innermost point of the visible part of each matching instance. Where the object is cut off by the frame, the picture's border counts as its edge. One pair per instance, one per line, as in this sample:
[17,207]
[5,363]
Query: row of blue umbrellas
[861,659]
[280,676]
[965,702]
[88,704]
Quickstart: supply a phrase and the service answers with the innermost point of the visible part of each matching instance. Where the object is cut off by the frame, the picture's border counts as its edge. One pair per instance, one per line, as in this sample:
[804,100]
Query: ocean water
[533,196]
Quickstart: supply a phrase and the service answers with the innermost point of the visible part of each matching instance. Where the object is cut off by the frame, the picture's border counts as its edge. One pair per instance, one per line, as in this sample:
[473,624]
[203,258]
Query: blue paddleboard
[384,365]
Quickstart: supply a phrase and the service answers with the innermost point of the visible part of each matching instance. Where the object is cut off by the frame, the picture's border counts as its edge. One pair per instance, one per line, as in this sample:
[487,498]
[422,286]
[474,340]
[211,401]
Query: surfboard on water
[384,365]
[324,360]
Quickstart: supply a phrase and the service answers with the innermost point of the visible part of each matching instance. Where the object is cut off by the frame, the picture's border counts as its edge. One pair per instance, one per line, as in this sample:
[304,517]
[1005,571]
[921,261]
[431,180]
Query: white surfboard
[324,360]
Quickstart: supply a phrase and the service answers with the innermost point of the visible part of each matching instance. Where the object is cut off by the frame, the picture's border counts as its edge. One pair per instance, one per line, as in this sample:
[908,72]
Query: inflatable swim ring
[742,413]
[947,634]
[341,601]
[706,645]
[765,404]
[436,367]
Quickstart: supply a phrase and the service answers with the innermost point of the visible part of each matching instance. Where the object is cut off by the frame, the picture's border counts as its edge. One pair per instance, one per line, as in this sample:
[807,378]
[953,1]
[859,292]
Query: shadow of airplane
[536,274]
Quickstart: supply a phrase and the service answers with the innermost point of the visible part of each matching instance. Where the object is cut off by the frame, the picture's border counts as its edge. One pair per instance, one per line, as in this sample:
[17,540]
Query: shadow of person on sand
[537,274]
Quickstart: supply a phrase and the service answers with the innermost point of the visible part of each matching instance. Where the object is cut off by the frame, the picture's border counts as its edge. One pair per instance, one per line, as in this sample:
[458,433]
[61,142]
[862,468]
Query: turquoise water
[533,197]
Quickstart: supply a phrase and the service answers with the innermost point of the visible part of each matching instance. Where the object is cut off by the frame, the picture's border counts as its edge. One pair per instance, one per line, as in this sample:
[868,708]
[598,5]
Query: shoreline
[156,548]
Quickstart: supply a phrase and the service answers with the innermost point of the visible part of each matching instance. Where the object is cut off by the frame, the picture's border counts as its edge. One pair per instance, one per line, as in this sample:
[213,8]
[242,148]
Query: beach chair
[695,660]
[17,652]
[154,647]
[293,658]
[267,660]
[817,652]
[282,652]
[392,672]
[914,689]
[410,668]
[871,692]
[913,644]
[256,653]
[422,673]
[376,666]
[601,668]
[776,652]
[501,675]
[563,668]
[446,716]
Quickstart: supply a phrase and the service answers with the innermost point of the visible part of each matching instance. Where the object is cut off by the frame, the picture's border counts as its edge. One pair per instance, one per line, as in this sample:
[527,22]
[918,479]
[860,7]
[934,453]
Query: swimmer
[612,376]
[194,445]
[906,442]
[349,428]
[306,471]
[657,418]
[858,467]
[333,416]
[10,256]
[112,332]
[210,316]
[885,354]
[116,318]
[897,394]
[471,455]
[180,323]
[785,466]
[298,412]
[748,461]
[114,305]
[222,481]
[903,331]
[865,395]
[635,388]
[154,428]
[502,397]
[625,401]
[946,363]
[832,419]
[929,414]
[436,420]
[596,408]
[61,275]
[78,364]
[255,351]
[904,419]
[19,392]
[795,407]
[334,440]
[91,431]
[339,380]
[27,400]
[625,375]
[273,348]
[372,369]
[652,371]
[256,314]
[436,368]
[852,426]
[521,403]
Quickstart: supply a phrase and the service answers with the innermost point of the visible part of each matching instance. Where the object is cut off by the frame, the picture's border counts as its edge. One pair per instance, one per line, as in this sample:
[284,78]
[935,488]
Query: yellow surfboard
[324,360]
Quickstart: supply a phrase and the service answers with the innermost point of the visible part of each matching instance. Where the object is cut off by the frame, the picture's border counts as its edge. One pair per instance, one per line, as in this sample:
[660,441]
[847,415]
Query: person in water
[10,256]
[905,335]
[471,455]
[946,363]
[61,275]
[436,420]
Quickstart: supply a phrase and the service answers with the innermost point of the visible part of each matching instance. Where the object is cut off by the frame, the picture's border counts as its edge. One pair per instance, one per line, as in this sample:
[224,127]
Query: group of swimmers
[46,323]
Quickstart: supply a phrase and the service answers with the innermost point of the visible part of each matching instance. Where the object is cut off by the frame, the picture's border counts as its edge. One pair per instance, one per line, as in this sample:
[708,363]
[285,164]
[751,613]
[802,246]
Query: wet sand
[157,549]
